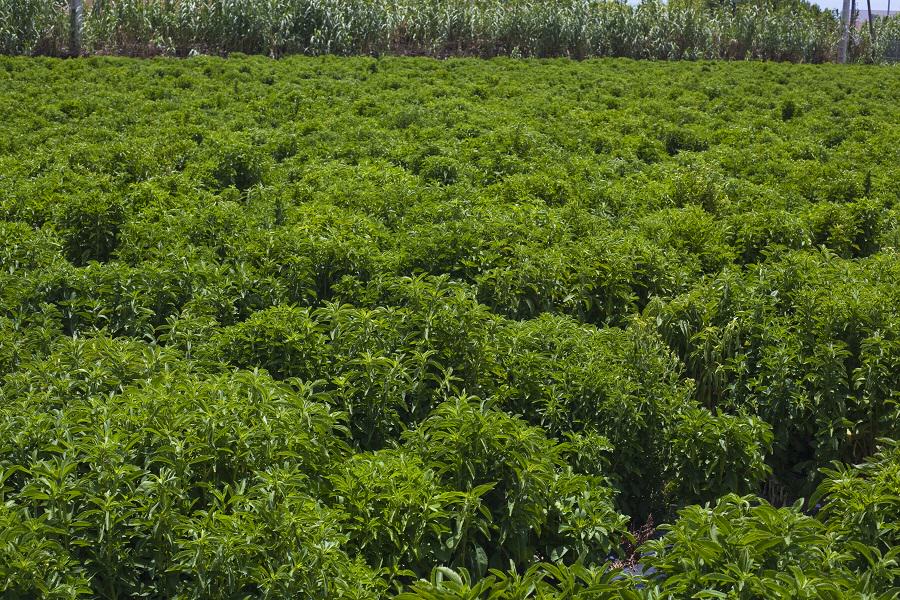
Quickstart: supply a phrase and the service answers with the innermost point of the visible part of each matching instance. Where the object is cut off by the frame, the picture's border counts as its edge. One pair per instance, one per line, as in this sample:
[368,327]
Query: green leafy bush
[284,340]
[710,455]
[519,475]
[748,548]
[90,227]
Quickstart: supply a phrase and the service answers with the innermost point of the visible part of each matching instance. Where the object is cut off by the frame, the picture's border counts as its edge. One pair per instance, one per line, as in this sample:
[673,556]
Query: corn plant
[573,28]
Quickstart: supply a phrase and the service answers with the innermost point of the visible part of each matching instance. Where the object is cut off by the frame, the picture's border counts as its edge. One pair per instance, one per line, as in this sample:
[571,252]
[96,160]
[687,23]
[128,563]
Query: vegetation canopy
[397,327]
[778,30]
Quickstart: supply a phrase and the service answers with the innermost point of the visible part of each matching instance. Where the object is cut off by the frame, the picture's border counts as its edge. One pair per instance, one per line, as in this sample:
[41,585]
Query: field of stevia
[352,328]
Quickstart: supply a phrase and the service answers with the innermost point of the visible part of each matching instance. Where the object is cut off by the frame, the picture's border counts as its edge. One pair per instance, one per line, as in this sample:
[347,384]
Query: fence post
[871,30]
[845,32]
[75,22]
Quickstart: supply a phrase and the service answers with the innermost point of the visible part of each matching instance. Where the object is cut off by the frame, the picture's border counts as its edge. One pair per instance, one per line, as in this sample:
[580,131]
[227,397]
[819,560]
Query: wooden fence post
[75,22]
[845,32]
[871,29]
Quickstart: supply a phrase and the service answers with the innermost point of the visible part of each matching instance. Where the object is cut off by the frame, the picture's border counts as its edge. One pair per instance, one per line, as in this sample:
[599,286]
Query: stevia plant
[374,326]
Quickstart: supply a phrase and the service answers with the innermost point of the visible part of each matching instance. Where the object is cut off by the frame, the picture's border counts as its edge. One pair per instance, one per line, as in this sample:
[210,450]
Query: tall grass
[540,28]
[32,26]
[887,32]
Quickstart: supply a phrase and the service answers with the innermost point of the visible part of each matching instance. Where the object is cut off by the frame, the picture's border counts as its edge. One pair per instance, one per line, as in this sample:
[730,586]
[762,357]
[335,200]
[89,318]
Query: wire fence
[892,51]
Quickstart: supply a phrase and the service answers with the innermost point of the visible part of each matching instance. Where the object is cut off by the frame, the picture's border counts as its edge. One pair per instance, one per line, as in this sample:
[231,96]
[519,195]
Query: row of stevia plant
[354,327]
